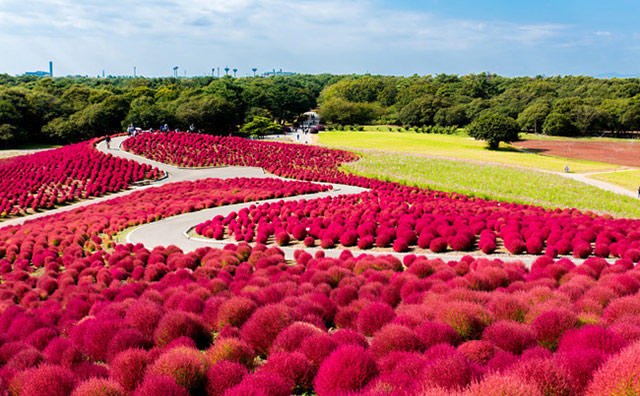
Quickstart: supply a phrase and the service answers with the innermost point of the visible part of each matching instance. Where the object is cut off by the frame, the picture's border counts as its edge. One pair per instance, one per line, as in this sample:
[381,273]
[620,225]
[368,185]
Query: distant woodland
[69,109]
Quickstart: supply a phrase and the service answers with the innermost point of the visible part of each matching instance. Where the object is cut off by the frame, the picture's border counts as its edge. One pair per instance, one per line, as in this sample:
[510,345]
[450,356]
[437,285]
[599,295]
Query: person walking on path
[108,141]
[638,192]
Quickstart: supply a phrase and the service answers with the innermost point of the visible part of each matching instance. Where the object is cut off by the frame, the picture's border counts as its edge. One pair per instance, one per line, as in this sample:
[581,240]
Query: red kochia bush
[373,316]
[261,383]
[230,349]
[176,324]
[620,375]
[186,366]
[264,325]
[393,337]
[551,325]
[160,385]
[431,333]
[45,380]
[128,367]
[347,370]
[235,311]
[503,385]
[510,336]
[293,367]
[98,387]
[223,376]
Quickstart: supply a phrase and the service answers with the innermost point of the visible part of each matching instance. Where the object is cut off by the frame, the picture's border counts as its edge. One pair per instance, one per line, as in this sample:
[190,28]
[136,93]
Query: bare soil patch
[625,153]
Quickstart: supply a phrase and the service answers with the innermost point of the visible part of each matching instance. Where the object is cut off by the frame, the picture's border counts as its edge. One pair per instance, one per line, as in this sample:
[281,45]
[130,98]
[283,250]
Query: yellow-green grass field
[627,179]
[454,146]
[503,183]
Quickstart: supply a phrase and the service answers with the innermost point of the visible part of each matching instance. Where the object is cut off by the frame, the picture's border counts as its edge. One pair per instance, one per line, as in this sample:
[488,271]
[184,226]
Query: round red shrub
[232,350]
[175,324]
[349,238]
[591,336]
[431,333]
[128,367]
[290,338]
[547,375]
[549,326]
[282,238]
[264,325]
[263,384]
[366,242]
[392,338]
[438,245]
[45,380]
[400,245]
[154,385]
[223,376]
[502,385]
[235,312]
[478,351]
[347,370]
[293,367]
[510,336]
[372,317]
[99,387]
[186,366]
[620,375]
[452,371]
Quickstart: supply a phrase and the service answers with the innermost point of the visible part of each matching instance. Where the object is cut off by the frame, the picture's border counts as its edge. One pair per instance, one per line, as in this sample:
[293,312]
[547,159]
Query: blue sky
[401,37]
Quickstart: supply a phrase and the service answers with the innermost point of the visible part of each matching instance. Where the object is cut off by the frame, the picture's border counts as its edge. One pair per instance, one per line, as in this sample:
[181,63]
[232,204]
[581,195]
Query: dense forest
[70,109]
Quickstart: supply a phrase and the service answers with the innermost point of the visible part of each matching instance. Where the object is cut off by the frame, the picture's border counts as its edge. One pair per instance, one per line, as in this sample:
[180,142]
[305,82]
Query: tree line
[71,109]
[64,110]
[567,106]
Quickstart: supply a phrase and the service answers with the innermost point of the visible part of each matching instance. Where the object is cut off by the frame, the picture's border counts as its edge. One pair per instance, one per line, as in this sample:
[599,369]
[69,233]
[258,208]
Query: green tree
[7,134]
[212,114]
[558,124]
[343,112]
[260,126]
[533,116]
[421,110]
[494,128]
[588,119]
[451,116]
[145,113]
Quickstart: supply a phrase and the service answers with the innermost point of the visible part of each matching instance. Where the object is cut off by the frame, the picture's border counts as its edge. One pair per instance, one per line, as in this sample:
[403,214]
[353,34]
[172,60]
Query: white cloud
[237,30]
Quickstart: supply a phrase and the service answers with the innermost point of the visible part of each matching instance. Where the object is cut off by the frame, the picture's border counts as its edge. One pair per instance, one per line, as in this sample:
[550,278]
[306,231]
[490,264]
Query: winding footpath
[177,230]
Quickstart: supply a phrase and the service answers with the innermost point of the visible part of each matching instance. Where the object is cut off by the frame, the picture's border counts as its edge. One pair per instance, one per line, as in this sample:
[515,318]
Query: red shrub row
[195,150]
[405,218]
[60,239]
[54,177]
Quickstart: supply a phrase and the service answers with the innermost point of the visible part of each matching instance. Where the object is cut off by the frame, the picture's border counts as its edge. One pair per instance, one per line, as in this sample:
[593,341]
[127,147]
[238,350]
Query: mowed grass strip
[454,146]
[494,182]
[627,179]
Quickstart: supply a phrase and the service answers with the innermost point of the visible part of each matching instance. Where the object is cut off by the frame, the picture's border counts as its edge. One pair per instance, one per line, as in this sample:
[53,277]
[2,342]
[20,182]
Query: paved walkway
[584,178]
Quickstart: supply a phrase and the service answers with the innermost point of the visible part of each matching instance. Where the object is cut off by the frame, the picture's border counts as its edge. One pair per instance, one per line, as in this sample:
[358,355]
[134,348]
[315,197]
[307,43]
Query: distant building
[41,73]
[278,73]
[38,73]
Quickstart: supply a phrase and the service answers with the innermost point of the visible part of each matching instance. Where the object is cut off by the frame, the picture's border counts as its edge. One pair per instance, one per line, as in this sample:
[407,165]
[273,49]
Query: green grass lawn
[453,146]
[492,182]
[628,179]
